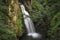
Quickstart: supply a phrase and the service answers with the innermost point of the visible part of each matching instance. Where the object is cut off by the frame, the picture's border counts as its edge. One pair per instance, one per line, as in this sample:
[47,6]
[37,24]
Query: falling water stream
[29,24]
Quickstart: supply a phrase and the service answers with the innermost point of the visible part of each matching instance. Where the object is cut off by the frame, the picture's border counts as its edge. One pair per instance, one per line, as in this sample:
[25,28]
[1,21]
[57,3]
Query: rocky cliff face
[10,19]
[13,13]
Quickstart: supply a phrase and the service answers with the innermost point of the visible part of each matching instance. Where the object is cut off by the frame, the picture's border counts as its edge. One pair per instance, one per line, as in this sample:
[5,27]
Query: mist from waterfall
[28,23]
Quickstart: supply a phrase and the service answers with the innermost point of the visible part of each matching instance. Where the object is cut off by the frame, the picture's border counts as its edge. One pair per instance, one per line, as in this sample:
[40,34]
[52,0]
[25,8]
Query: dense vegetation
[10,20]
[44,13]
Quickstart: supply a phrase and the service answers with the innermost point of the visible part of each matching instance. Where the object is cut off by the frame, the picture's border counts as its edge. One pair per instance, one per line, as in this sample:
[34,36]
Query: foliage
[20,24]
[53,31]
[46,14]
[6,34]
[6,31]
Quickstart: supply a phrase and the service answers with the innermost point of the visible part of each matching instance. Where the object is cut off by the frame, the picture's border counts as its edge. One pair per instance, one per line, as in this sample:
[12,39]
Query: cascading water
[28,23]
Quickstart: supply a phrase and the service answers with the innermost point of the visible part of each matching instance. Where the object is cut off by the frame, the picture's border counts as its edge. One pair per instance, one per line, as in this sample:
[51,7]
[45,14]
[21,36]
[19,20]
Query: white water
[29,24]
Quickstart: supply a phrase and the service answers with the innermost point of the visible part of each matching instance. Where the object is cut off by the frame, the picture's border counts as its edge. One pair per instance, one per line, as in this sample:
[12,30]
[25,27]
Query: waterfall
[28,23]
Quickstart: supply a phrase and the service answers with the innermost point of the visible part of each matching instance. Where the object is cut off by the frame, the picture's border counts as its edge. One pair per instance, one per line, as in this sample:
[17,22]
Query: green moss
[6,31]
[20,23]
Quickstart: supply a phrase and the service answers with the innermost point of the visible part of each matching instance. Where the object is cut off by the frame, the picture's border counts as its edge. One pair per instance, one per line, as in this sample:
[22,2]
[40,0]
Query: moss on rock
[10,21]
